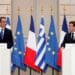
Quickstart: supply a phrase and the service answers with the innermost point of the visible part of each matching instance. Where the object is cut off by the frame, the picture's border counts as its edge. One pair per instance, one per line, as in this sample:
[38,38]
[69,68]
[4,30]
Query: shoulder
[8,30]
[68,34]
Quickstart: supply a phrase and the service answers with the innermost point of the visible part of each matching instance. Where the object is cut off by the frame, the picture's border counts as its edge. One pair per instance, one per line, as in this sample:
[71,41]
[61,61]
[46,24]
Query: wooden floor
[49,71]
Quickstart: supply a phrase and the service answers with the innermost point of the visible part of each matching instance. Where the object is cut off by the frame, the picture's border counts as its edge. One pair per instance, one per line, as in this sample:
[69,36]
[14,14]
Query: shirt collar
[0,29]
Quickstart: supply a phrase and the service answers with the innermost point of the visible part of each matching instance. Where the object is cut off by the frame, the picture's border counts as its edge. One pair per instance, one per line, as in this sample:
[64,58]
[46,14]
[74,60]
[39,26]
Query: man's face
[3,23]
[70,27]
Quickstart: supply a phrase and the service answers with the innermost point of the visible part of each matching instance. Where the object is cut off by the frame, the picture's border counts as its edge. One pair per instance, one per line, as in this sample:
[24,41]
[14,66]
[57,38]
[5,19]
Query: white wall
[69,12]
[4,5]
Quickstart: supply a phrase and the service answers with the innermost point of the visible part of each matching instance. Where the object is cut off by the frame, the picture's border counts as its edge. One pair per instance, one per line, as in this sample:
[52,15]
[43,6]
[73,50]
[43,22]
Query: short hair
[3,18]
[72,22]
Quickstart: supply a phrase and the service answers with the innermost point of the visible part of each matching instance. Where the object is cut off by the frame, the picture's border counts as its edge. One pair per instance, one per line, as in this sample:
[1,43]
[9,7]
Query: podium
[5,60]
[68,60]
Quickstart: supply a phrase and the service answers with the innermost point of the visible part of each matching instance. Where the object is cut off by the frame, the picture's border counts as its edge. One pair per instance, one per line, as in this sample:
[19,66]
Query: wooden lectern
[68,60]
[5,60]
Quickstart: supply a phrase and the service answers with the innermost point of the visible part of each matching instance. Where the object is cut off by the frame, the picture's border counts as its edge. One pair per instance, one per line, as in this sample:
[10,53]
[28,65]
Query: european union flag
[18,49]
[52,47]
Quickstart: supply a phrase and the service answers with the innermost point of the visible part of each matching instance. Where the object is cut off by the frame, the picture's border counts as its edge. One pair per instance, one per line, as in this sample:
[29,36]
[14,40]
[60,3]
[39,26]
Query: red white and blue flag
[30,51]
[64,30]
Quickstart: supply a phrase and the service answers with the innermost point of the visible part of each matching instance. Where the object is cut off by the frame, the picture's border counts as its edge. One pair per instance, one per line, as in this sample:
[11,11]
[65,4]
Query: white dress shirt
[0,29]
[73,35]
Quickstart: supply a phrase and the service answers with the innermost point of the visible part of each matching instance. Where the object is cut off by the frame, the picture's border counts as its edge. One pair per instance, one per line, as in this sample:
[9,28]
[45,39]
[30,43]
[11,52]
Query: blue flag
[8,20]
[18,49]
[8,23]
[52,47]
[41,47]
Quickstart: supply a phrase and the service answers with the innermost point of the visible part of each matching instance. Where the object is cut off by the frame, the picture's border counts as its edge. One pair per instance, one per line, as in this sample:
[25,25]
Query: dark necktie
[2,33]
[72,35]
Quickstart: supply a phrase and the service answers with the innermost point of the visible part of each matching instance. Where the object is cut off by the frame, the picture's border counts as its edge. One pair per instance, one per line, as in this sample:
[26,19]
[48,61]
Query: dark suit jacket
[7,38]
[67,39]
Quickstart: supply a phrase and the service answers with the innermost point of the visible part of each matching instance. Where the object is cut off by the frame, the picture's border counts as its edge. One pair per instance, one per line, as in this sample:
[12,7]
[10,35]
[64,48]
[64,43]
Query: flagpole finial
[42,9]
[18,10]
[7,10]
[51,10]
[64,9]
[31,10]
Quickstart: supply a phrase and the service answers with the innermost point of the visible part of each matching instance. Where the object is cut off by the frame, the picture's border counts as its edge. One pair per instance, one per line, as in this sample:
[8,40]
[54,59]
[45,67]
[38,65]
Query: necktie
[2,33]
[73,36]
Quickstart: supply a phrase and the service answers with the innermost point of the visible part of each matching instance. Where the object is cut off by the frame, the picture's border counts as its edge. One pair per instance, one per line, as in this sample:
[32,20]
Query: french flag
[30,51]
[8,26]
[64,30]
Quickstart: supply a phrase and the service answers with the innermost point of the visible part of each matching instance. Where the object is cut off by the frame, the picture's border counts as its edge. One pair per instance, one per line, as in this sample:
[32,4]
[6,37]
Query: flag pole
[64,10]
[41,73]
[31,10]
[51,9]
[52,71]
[18,11]
[7,10]
[42,9]
[30,71]
[18,71]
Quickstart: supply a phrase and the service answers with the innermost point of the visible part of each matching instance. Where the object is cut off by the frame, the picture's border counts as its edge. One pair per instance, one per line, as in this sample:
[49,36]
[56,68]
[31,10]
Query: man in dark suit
[5,34]
[70,36]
